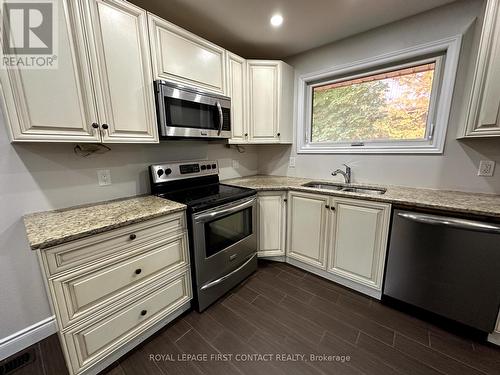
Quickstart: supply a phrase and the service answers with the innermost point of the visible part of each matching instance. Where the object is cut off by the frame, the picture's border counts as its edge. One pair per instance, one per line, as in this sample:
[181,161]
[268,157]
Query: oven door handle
[227,276]
[202,217]
[221,117]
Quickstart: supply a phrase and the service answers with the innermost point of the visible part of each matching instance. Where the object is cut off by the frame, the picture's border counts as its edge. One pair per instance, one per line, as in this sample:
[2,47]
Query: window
[395,104]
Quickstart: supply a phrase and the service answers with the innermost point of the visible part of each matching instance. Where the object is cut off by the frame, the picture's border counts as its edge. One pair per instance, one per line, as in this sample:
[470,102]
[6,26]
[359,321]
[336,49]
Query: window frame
[444,53]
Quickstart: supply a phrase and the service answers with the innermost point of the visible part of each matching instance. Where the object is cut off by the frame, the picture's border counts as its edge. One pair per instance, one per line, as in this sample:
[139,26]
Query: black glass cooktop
[203,197]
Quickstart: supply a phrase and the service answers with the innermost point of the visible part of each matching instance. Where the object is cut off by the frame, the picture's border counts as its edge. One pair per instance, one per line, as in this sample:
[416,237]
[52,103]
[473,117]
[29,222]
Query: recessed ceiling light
[276,20]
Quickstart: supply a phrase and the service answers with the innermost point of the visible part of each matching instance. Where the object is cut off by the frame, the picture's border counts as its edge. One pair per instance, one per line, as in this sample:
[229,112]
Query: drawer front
[81,293]
[107,246]
[90,343]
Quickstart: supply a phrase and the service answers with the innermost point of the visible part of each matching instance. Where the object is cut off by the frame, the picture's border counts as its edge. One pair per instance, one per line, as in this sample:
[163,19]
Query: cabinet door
[307,225]
[359,240]
[236,90]
[183,57]
[484,112]
[272,219]
[54,104]
[263,82]
[121,63]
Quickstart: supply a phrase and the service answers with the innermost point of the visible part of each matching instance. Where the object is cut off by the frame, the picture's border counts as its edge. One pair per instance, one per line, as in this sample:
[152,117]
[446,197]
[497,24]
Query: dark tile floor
[286,321]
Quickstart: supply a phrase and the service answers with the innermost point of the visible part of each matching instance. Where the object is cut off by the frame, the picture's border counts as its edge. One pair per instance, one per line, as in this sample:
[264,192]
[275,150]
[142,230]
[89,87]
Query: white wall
[39,177]
[457,167]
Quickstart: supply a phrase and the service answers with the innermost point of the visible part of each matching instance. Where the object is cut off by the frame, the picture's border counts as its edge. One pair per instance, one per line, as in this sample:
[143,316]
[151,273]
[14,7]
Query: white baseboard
[26,337]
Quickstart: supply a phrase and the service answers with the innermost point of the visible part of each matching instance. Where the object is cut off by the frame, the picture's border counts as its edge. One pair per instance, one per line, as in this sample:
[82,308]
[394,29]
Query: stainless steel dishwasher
[445,265]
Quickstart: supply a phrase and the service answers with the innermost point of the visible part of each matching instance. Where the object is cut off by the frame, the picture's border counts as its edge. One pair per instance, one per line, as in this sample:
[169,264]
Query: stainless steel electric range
[221,224]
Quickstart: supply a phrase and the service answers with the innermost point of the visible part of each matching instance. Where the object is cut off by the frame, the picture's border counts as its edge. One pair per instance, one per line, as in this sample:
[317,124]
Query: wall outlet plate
[291,162]
[104,177]
[486,168]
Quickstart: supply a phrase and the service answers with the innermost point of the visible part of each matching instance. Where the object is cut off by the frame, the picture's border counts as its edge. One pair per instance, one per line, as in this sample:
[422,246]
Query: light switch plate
[104,177]
[486,168]
[291,163]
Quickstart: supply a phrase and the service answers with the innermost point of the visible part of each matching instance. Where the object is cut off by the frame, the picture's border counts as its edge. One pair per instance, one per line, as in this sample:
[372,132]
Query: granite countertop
[50,228]
[453,201]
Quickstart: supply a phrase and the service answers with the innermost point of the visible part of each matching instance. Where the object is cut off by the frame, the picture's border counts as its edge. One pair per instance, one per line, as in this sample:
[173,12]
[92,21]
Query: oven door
[185,112]
[224,239]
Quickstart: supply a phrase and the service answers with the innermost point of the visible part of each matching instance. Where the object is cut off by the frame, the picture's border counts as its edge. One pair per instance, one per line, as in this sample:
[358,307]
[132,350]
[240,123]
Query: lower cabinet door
[89,343]
[272,227]
[359,240]
[307,227]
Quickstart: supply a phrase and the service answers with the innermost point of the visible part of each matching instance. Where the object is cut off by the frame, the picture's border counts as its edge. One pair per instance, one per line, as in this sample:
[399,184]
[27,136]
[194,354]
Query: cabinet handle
[132,236]
[144,312]
[95,125]
[105,126]
[138,271]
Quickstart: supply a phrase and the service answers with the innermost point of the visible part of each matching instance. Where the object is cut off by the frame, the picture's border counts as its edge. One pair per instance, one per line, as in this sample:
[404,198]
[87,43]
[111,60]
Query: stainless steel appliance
[445,265]
[187,112]
[221,224]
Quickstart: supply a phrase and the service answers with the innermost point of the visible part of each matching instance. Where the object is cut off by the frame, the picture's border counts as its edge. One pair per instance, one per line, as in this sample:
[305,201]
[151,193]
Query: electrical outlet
[236,164]
[291,162]
[104,177]
[486,168]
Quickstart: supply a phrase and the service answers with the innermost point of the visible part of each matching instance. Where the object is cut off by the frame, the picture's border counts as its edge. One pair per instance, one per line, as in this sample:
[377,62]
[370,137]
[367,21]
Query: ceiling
[242,26]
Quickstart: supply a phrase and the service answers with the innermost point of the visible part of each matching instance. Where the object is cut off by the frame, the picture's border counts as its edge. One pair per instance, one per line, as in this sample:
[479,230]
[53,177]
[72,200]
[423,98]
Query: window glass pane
[393,105]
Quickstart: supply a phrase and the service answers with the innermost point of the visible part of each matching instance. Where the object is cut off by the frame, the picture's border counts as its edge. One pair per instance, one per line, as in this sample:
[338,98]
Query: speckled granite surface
[45,229]
[455,201]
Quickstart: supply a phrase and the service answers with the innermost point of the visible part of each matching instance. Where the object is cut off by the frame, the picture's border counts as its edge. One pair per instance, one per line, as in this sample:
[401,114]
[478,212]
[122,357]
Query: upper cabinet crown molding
[121,62]
[184,57]
[483,111]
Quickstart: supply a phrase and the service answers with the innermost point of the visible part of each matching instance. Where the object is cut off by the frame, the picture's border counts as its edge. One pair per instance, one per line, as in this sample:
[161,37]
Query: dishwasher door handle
[452,222]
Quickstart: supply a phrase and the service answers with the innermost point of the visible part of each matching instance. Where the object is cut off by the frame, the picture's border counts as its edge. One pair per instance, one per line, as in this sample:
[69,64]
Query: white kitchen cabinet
[101,90]
[236,90]
[111,290]
[270,101]
[307,228]
[185,58]
[121,63]
[358,240]
[483,112]
[272,223]
[54,104]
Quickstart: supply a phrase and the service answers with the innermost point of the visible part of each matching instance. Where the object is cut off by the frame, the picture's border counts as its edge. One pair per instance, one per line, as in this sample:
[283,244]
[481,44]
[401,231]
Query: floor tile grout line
[184,334]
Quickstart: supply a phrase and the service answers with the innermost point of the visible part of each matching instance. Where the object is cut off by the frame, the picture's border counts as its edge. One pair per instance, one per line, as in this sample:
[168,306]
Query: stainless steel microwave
[186,112]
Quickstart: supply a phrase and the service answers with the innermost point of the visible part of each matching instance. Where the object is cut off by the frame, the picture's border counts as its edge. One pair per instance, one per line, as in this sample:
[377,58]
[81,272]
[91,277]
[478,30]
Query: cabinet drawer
[81,293]
[88,344]
[109,245]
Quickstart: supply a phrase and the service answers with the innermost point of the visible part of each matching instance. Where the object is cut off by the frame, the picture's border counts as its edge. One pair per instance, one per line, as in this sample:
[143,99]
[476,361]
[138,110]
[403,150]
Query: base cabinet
[358,241]
[307,228]
[272,223]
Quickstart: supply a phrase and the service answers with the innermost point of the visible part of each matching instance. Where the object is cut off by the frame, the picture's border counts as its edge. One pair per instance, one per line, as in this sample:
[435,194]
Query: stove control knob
[214,166]
[203,167]
[168,171]
[159,172]
[209,166]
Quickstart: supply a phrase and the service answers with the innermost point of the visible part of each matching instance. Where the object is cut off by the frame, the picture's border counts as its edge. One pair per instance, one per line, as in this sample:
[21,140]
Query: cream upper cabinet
[121,63]
[183,57]
[270,101]
[307,228]
[483,112]
[54,104]
[272,223]
[236,90]
[358,240]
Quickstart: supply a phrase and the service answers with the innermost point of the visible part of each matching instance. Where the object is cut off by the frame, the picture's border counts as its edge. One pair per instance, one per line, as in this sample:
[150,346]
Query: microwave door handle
[221,118]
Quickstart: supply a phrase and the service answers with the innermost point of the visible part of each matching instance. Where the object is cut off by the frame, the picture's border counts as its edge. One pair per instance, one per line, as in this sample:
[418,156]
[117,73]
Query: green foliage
[368,111]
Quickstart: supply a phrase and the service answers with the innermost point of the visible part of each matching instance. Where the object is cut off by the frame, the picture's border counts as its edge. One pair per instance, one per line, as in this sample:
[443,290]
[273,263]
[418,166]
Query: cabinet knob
[95,125]
[138,271]
[132,236]
[285,200]
[105,126]
[332,208]
[279,134]
[246,134]
[327,206]
[144,312]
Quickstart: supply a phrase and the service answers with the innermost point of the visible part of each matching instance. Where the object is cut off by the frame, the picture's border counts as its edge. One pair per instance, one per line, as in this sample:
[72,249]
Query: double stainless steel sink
[345,188]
